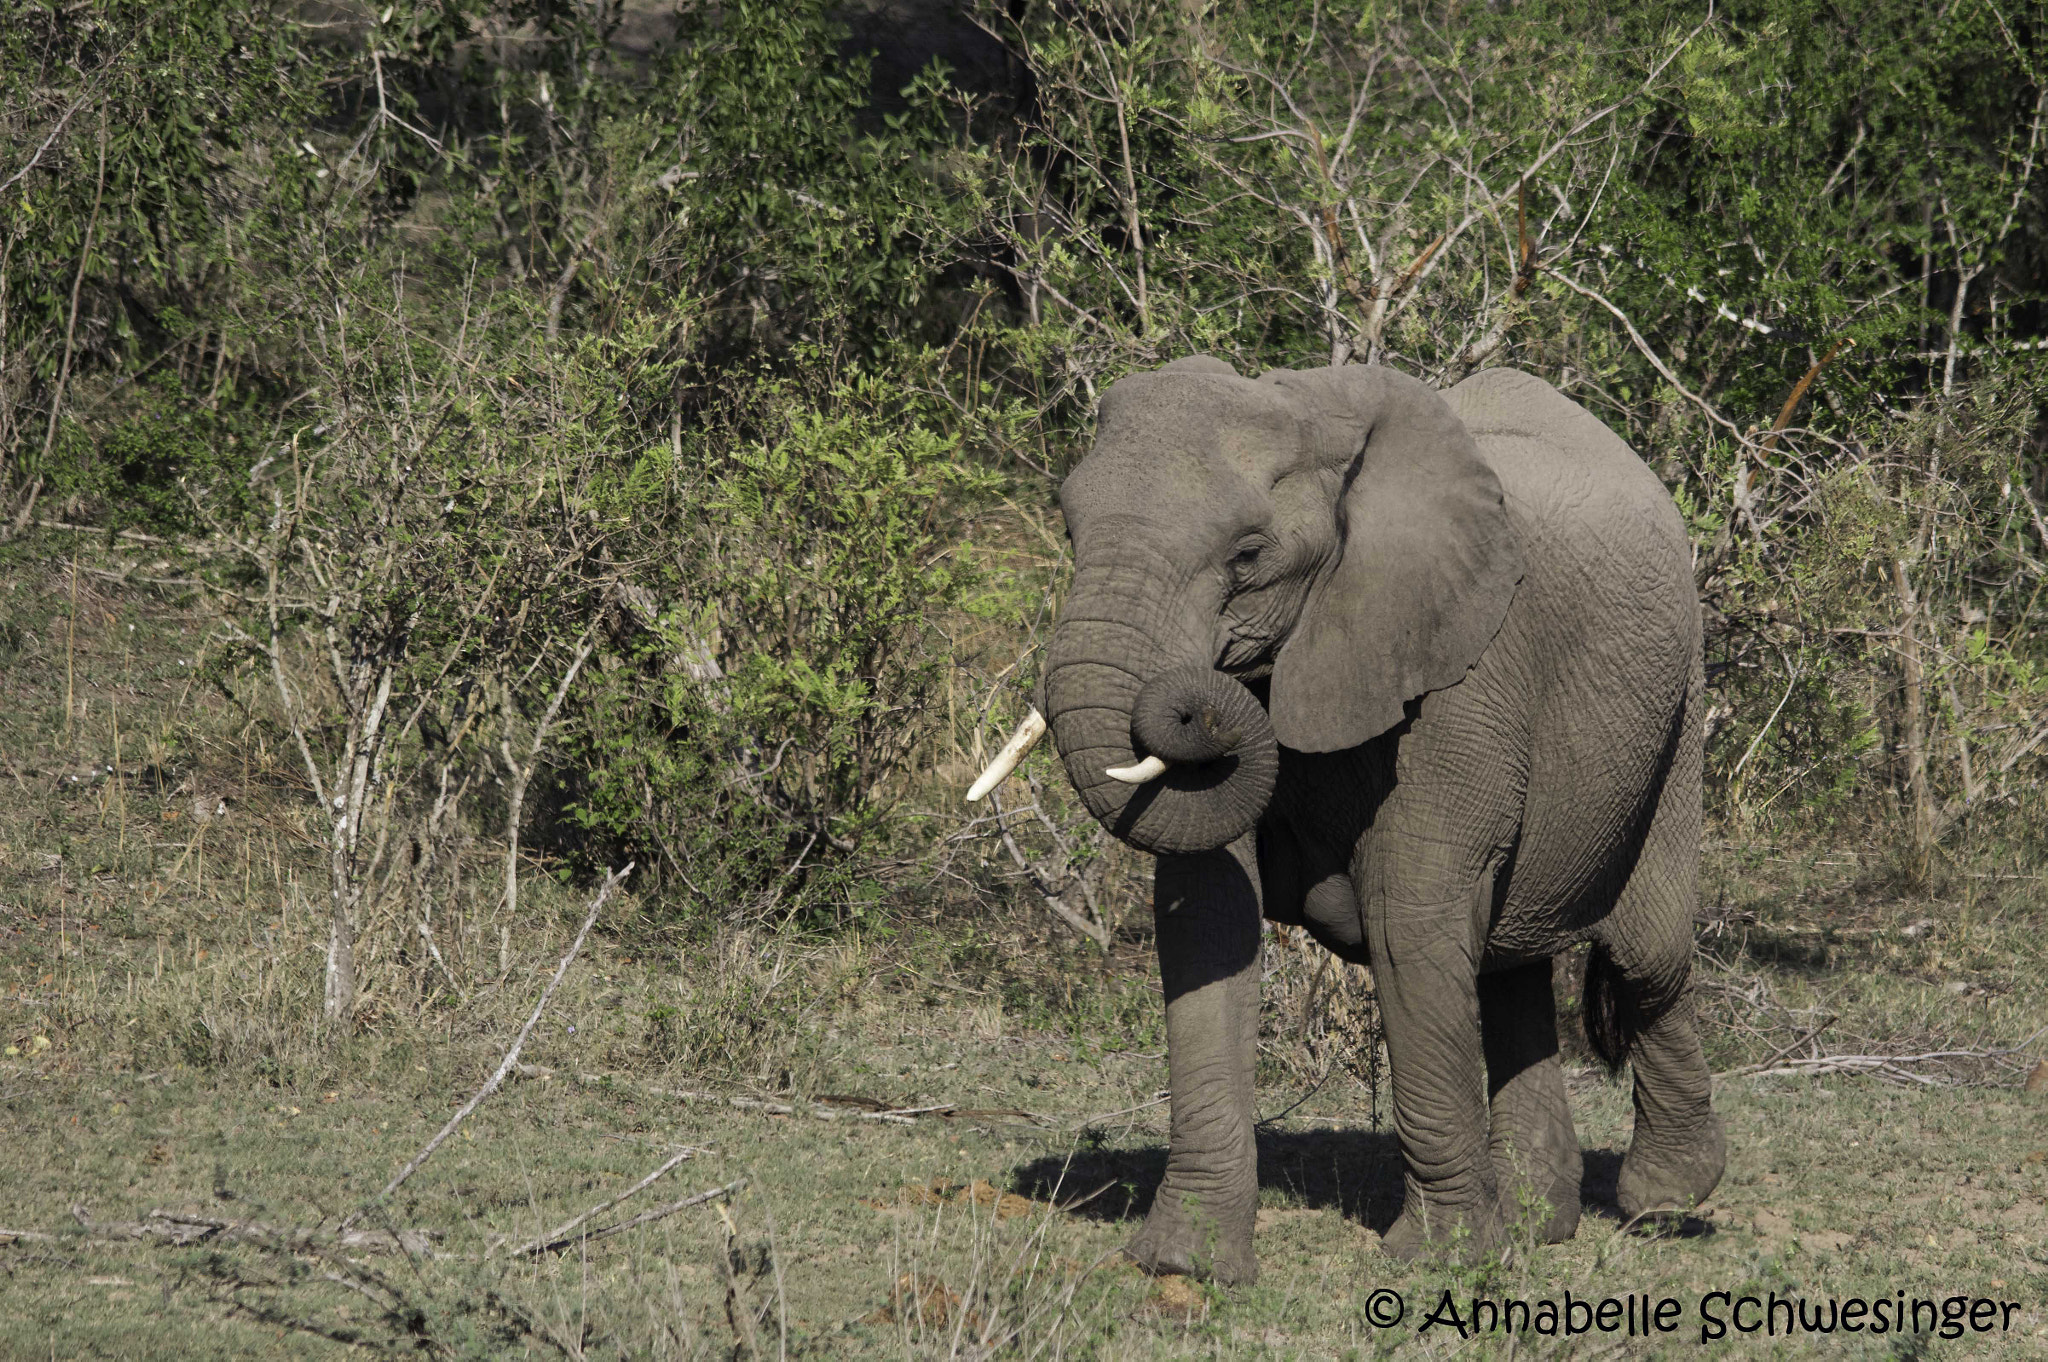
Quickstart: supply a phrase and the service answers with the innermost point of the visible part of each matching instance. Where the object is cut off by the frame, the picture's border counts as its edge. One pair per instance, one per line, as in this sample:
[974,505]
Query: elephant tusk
[1022,741]
[1151,768]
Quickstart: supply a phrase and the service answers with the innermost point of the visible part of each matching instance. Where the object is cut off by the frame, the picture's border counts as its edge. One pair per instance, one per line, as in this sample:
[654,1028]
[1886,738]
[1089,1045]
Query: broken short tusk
[1027,735]
[1151,768]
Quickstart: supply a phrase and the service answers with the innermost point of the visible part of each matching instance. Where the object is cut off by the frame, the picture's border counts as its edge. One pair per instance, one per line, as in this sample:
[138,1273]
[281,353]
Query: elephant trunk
[1216,755]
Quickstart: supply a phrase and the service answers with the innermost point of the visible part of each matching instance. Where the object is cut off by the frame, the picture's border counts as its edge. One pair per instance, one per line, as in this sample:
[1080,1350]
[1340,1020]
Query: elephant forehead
[1203,412]
[1169,445]
[1186,498]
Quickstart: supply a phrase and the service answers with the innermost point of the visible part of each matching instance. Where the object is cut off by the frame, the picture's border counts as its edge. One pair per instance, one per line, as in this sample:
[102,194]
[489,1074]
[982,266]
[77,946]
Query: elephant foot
[1428,1228]
[1542,1191]
[1180,1239]
[1656,1176]
[1554,1210]
[1563,1221]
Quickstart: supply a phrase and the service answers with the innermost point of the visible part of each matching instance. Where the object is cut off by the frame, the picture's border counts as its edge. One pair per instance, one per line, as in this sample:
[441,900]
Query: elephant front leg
[1425,969]
[1206,910]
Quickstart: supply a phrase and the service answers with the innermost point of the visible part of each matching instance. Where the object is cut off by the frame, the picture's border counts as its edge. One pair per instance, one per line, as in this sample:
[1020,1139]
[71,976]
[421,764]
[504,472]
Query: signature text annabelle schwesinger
[1716,1315]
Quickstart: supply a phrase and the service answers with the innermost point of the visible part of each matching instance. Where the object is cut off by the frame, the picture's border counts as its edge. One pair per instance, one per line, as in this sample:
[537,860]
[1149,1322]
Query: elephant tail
[1607,1011]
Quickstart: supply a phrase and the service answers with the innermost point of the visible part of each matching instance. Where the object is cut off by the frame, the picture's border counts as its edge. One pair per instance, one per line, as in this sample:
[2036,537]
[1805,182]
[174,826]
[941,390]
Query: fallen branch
[408,1318]
[1810,1035]
[1112,1115]
[650,1216]
[557,1237]
[173,1229]
[542,1073]
[511,1060]
[823,1109]
[1746,1005]
[1895,1068]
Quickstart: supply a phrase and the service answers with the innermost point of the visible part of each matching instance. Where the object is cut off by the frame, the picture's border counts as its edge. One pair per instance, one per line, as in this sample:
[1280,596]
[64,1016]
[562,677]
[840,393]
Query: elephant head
[1284,560]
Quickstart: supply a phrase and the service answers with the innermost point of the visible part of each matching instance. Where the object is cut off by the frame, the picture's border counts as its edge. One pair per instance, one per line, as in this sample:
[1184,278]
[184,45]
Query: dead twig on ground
[864,1108]
[175,1229]
[1808,1036]
[1087,1122]
[511,1060]
[648,1217]
[1751,1007]
[557,1237]
[1946,1068]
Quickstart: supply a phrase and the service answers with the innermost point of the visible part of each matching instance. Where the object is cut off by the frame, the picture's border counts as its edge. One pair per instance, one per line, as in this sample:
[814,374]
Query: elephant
[1420,673]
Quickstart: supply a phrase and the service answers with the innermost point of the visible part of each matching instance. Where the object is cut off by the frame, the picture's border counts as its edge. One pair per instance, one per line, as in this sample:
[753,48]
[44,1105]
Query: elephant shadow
[1354,1172]
[1357,1172]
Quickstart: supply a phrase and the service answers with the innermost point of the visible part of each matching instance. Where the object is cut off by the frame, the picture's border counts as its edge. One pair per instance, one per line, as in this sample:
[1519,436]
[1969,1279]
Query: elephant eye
[1244,560]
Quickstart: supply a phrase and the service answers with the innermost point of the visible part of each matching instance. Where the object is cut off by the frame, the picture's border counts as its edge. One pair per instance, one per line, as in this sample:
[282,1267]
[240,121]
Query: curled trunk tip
[1186,763]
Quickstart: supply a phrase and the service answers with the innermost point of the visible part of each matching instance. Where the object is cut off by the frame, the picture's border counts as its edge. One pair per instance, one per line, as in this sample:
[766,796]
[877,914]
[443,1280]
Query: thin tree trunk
[521,772]
[339,996]
[349,878]
[70,337]
[1912,666]
[1136,228]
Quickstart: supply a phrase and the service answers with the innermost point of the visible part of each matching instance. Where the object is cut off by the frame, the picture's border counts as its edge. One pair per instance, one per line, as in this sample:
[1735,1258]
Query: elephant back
[1564,472]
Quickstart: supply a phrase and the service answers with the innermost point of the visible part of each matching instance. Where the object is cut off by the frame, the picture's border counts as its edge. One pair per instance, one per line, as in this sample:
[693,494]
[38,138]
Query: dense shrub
[783,664]
[619,433]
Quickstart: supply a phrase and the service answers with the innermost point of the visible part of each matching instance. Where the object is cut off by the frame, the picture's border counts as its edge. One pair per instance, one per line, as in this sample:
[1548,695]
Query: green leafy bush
[660,412]
[147,143]
[784,666]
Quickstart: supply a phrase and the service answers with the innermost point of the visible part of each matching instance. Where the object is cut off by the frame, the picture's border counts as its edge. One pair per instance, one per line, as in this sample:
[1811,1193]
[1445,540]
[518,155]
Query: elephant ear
[1427,560]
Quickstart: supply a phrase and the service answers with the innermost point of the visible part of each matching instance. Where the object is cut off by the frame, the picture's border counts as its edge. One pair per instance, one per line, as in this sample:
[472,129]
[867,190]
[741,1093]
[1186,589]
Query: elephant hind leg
[1534,1146]
[1676,1156]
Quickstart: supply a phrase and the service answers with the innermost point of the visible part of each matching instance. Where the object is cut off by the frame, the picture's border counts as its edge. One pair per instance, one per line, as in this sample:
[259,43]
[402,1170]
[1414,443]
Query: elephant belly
[1584,824]
[1330,914]
[1307,842]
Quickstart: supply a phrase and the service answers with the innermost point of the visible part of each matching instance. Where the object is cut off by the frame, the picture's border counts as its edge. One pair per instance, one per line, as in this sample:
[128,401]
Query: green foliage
[786,677]
[168,448]
[690,360]
[842,529]
[1685,220]
[432,449]
[143,142]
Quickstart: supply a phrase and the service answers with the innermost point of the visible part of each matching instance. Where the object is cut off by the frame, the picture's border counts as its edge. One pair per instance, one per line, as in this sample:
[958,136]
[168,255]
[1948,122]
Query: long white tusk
[1151,768]
[1022,741]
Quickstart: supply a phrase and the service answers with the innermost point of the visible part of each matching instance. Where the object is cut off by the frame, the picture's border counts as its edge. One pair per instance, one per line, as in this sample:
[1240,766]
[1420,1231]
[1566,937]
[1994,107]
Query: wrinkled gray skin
[1427,666]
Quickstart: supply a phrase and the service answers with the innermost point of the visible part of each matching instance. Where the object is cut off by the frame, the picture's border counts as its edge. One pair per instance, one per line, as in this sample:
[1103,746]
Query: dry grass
[947,1125]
